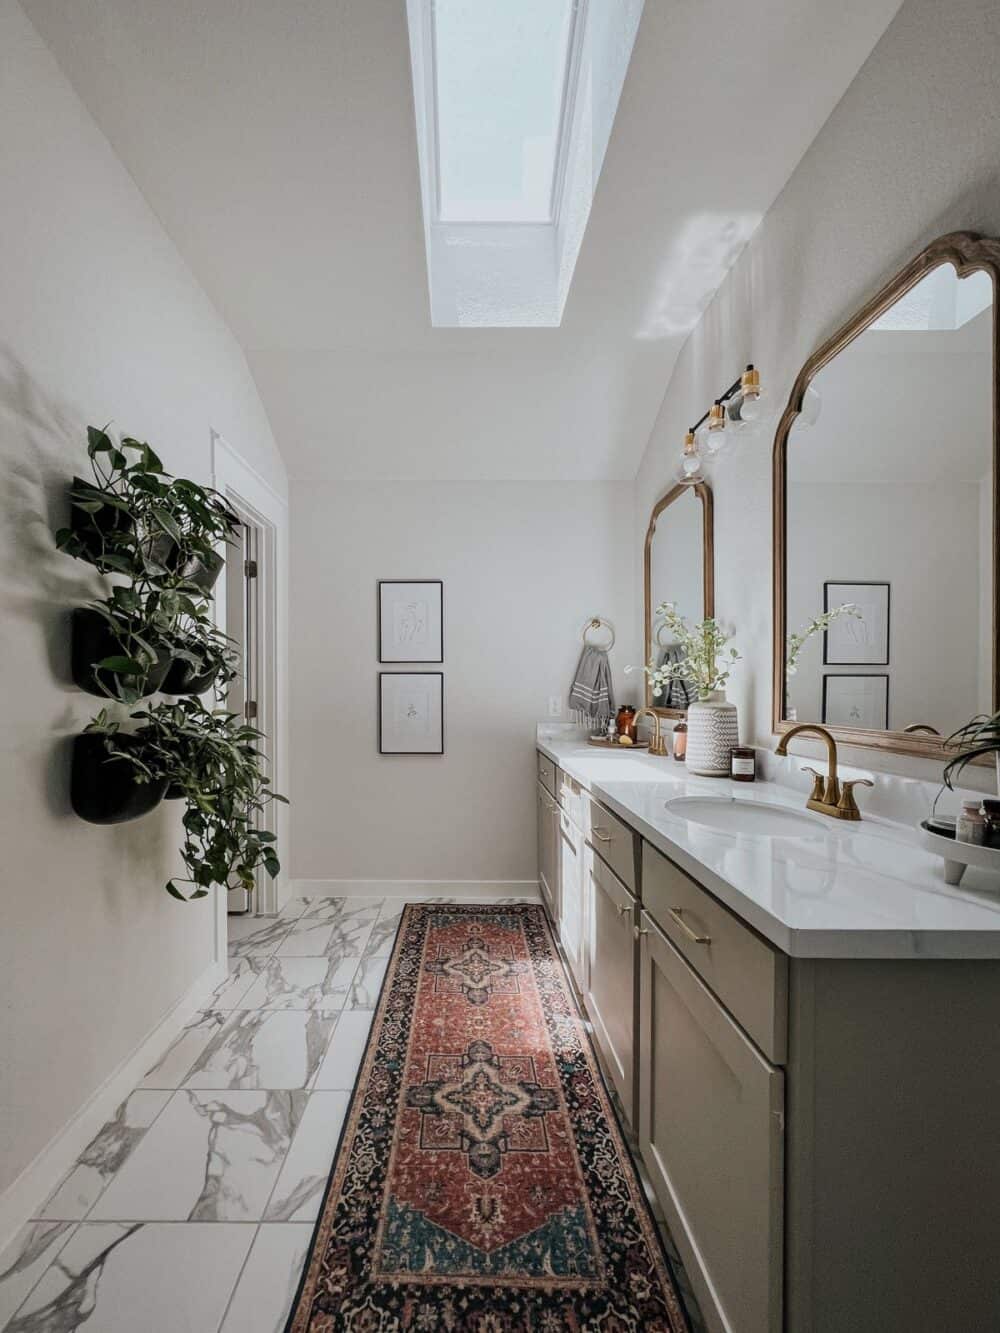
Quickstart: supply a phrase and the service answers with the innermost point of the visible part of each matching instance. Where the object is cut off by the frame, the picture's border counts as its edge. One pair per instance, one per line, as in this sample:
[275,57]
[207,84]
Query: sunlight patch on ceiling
[696,264]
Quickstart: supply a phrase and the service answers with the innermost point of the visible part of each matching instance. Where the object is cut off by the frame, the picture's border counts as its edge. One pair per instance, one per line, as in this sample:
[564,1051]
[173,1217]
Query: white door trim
[250,493]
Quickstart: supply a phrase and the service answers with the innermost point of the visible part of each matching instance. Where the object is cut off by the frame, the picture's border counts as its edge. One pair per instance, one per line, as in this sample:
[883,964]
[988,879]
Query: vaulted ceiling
[276,143]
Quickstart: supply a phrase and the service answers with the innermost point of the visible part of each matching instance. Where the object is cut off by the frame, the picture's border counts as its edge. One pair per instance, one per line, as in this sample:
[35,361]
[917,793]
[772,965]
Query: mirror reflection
[678,543]
[889,539]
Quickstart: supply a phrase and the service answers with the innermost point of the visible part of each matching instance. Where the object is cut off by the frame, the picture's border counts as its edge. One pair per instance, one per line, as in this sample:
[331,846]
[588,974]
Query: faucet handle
[819,783]
[847,804]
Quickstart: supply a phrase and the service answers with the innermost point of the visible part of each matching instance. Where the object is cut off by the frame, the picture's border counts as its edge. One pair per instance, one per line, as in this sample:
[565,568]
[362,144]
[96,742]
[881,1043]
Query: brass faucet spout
[657,745]
[833,801]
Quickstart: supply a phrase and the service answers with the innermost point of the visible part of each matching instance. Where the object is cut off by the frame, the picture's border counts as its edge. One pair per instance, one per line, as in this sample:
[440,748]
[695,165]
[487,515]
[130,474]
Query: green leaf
[98,441]
[126,666]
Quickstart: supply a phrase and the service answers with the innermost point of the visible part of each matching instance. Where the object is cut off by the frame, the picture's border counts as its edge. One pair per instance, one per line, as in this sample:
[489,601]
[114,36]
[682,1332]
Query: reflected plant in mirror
[702,659]
[888,492]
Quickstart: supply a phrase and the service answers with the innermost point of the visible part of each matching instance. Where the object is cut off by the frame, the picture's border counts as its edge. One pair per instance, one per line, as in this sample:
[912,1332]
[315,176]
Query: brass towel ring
[596,622]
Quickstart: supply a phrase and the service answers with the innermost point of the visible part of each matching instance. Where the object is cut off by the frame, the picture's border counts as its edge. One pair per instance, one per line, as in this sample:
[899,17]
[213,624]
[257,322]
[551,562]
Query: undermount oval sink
[725,814]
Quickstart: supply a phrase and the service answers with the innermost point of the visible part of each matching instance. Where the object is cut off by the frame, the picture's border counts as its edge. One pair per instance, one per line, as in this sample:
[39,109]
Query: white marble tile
[367,984]
[340,1064]
[210,1157]
[105,1155]
[299,1191]
[340,909]
[260,1048]
[175,1063]
[384,931]
[306,940]
[302,983]
[243,972]
[256,936]
[153,1278]
[292,909]
[270,1278]
[25,1260]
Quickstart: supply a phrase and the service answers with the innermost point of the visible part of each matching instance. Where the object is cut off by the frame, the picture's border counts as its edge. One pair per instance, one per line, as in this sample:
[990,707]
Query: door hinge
[250,709]
[250,568]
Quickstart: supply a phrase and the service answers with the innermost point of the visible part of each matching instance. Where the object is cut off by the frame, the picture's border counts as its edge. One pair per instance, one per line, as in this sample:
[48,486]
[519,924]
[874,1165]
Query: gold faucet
[829,796]
[657,745]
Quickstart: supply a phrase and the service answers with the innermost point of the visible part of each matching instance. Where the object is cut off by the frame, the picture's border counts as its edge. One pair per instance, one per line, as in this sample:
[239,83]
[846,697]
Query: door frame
[258,502]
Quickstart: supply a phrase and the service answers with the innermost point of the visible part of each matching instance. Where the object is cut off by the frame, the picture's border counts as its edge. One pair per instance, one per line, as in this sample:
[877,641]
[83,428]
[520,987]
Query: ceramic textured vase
[713,730]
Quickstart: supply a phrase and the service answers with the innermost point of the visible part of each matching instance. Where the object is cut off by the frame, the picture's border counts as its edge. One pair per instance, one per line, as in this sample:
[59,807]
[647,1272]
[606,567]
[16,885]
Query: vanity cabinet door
[711,1132]
[571,901]
[548,852]
[609,994]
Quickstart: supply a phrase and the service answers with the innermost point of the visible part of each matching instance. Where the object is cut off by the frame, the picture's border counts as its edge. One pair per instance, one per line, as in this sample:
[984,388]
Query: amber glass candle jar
[743,763]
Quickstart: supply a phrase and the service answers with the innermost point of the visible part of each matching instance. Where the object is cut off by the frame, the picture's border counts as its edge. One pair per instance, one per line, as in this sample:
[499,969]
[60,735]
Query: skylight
[501,77]
[514,102]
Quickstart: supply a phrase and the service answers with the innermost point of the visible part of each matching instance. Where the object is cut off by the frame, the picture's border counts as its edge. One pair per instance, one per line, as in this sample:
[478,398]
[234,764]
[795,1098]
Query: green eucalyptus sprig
[705,659]
[819,624]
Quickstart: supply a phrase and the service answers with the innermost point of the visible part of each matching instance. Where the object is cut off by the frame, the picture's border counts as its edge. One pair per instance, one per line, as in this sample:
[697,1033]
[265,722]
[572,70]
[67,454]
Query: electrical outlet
[555,705]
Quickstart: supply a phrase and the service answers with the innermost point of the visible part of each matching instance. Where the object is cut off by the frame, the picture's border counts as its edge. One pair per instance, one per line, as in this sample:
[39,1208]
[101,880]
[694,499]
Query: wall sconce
[735,412]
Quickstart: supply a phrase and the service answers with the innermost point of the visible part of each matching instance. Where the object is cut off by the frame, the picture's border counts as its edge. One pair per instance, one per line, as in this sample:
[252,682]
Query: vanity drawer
[571,796]
[748,975]
[546,773]
[613,841]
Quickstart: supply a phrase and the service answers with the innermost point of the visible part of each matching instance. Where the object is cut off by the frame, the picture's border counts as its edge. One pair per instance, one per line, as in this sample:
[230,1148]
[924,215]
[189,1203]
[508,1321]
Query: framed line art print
[856,701]
[411,712]
[861,640]
[410,620]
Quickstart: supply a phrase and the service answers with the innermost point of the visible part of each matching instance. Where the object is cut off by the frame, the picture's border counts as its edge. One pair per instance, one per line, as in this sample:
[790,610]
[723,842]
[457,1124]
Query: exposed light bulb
[690,465]
[715,436]
[751,395]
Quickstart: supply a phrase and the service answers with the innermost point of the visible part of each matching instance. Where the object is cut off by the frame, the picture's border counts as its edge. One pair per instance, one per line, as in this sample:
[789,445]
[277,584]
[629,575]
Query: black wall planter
[103,790]
[181,678]
[92,642]
[89,528]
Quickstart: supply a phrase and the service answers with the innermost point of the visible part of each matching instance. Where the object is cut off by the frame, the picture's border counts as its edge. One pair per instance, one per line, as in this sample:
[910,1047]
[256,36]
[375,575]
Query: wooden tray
[602,743]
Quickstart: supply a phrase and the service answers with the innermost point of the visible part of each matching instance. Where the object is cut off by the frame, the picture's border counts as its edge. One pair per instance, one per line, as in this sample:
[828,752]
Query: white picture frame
[410,620]
[856,701]
[861,640]
[411,712]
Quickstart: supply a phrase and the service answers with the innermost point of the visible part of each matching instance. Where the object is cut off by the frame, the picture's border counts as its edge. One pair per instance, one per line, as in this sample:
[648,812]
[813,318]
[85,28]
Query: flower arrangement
[821,623]
[704,660]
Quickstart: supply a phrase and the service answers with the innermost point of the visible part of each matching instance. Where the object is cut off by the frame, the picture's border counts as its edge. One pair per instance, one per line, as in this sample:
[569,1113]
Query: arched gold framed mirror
[885,503]
[679,567]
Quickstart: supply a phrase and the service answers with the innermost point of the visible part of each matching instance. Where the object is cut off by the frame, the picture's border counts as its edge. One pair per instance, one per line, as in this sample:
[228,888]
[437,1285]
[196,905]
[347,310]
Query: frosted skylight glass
[500,76]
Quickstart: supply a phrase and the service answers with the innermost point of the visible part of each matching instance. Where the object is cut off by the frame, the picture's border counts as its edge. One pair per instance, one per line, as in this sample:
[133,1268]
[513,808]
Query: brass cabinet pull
[623,908]
[639,931]
[675,915]
[601,834]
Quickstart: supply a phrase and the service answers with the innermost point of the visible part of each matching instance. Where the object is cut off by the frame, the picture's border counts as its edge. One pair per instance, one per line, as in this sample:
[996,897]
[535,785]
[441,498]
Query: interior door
[243,627]
[711,1132]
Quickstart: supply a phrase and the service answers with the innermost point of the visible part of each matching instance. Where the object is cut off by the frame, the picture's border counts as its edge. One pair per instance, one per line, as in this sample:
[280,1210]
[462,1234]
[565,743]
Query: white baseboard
[21,1200]
[402,888]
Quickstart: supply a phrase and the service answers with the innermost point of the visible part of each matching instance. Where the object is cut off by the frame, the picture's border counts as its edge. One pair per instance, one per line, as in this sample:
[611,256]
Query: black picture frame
[856,583]
[856,675]
[380,705]
[380,638]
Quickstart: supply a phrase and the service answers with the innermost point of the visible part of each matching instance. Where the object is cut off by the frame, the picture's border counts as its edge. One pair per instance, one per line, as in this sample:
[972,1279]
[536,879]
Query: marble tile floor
[192,1209]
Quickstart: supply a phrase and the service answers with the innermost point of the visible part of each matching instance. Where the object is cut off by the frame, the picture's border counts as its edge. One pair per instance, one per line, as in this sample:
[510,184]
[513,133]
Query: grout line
[239,1278]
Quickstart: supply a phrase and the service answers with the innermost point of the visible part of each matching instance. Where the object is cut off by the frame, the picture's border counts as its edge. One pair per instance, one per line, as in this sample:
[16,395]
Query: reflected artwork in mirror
[885,501]
[678,567]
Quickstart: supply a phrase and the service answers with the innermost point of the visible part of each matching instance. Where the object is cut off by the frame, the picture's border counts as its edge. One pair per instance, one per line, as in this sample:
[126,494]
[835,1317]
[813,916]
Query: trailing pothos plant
[158,536]
[211,759]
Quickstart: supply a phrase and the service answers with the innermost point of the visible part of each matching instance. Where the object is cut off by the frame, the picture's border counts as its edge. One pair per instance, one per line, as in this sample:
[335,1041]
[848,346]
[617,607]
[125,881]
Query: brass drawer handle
[623,908]
[601,834]
[675,915]
[639,931]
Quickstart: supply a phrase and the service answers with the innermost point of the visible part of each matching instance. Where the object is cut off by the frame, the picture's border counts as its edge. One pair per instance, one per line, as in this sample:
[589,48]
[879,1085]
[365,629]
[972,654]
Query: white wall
[909,153]
[99,320]
[524,565]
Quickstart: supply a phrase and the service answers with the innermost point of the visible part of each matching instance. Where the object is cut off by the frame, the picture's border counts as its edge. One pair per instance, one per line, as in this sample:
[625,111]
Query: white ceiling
[276,143]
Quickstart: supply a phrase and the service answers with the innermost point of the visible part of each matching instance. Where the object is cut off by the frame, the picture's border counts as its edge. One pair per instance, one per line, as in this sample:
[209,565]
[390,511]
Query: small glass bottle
[743,763]
[680,741]
[971,826]
[626,721]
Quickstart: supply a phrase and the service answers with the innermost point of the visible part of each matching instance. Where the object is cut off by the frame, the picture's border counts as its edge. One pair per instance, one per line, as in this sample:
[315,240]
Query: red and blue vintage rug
[482,1184]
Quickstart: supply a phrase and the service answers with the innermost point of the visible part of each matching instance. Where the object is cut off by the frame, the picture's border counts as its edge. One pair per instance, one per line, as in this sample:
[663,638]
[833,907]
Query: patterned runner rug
[482,1184]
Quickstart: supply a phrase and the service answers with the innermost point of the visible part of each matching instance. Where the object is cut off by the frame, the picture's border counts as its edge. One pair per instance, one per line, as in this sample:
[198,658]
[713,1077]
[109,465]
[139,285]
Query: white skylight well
[500,83]
[514,102]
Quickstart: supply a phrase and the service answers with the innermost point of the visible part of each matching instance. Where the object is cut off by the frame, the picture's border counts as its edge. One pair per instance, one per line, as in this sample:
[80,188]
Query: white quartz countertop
[847,890]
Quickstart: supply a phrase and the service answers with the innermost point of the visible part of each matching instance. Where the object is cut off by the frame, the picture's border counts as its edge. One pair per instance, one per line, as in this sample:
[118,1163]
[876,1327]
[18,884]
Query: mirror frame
[968,253]
[704,494]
